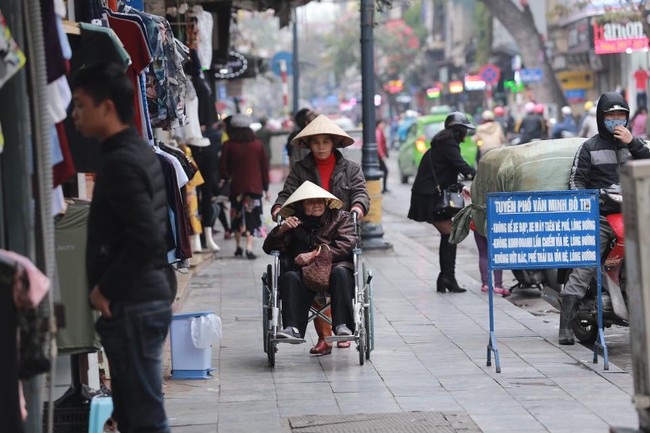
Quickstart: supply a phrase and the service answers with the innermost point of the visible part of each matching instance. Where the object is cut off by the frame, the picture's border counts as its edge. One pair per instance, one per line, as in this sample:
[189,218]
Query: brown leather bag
[316,275]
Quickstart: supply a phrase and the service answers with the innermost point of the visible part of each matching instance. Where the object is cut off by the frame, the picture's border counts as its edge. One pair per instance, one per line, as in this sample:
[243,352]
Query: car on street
[418,140]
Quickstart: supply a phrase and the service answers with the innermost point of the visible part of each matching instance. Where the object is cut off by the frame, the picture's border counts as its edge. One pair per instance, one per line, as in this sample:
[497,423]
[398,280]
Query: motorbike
[536,278]
[615,312]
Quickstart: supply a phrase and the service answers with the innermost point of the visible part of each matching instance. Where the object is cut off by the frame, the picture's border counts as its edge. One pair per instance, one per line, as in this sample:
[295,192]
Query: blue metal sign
[576,95]
[282,56]
[543,229]
[531,75]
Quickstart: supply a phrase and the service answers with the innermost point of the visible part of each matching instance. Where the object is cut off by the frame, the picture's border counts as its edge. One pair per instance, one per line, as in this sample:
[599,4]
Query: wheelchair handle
[355,218]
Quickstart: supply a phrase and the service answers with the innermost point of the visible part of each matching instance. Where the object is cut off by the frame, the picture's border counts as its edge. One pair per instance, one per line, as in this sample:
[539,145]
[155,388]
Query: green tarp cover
[536,166]
[79,335]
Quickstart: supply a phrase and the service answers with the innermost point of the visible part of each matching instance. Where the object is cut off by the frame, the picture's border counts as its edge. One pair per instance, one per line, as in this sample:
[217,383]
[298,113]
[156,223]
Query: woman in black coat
[445,160]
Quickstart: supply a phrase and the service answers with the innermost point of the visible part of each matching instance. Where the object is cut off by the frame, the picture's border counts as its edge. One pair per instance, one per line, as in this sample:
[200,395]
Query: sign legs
[492,342]
[600,342]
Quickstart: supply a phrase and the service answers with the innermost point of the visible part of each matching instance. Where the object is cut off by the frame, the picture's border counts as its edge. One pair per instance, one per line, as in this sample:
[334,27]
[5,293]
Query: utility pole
[372,232]
[294,66]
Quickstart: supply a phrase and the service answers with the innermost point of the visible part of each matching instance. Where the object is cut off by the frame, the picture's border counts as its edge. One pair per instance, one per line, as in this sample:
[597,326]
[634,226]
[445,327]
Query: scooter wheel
[585,331]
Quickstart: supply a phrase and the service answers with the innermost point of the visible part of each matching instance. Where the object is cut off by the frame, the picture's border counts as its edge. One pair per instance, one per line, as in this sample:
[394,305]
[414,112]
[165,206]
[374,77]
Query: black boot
[448,265]
[440,283]
[569,304]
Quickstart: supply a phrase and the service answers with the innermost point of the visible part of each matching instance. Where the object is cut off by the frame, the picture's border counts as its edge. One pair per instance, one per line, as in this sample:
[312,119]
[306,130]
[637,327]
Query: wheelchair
[362,307]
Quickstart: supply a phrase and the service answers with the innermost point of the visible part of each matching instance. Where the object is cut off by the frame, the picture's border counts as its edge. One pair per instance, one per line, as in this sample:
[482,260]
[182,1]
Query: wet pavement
[429,357]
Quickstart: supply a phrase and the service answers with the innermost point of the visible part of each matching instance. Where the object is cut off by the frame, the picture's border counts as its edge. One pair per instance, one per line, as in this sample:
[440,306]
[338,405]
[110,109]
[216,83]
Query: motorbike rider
[567,127]
[532,126]
[595,166]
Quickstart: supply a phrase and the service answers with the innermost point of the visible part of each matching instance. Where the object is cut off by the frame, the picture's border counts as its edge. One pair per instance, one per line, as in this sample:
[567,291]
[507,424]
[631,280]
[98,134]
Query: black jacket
[596,164]
[125,252]
[532,127]
[445,158]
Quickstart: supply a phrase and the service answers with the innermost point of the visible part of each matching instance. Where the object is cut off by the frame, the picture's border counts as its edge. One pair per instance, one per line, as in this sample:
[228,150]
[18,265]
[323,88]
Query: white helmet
[566,110]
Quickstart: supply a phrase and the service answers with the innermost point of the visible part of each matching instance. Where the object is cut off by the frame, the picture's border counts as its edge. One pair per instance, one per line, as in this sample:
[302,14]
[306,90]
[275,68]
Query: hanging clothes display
[93,45]
[9,395]
[205,24]
[22,287]
[165,78]
[11,60]
[131,31]
[70,233]
[11,57]
[192,201]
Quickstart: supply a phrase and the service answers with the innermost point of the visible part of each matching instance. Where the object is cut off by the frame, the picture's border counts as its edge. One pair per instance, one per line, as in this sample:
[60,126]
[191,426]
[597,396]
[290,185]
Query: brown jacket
[246,165]
[336,229]
[347,183]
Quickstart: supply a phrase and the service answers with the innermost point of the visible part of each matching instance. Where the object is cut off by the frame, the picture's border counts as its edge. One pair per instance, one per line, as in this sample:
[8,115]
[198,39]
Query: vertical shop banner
[546,229]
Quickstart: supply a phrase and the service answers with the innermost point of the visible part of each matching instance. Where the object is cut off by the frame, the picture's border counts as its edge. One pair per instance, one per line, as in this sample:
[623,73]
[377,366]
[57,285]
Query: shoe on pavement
[484,288]
[343,344]
[321,348]
[239,252]
[501,291]
[290,334]
[342,331]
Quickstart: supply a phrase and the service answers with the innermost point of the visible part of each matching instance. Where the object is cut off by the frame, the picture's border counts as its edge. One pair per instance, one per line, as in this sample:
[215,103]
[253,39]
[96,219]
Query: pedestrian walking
[382,151]
[438,170]
[326,167]
[245,164]
[132,285]
[596,165]
[301,119]
[265,134]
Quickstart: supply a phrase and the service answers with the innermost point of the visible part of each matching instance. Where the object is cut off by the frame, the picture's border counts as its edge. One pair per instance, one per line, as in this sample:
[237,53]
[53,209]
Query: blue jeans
[133,340]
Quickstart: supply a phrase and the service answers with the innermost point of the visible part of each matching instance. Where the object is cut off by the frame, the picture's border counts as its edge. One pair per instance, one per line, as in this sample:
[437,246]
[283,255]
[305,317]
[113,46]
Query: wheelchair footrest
[289,340]
[337,338]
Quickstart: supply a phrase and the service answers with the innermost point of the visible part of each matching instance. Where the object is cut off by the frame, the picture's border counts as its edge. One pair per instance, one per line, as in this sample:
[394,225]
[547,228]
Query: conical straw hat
[322,125]
[306,191]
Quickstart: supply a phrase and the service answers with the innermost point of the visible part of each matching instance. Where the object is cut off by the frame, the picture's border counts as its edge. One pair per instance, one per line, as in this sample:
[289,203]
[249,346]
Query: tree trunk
[521,26]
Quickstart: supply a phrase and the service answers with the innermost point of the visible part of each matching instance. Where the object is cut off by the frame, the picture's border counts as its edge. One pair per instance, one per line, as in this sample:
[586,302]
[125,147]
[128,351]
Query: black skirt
[423,208]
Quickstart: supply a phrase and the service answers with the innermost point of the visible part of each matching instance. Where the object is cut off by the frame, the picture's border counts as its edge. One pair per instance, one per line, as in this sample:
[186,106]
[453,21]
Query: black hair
[301,117]
[108,81]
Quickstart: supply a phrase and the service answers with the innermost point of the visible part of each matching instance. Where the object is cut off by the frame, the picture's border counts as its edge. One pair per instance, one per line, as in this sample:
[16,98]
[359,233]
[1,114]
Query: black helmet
[458,119]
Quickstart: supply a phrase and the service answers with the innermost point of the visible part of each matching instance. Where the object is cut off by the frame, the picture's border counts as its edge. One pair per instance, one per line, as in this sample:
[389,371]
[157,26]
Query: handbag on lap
[316,275]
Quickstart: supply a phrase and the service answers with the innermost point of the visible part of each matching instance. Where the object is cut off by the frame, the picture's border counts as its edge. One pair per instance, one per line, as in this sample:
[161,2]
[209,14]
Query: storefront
[47,169]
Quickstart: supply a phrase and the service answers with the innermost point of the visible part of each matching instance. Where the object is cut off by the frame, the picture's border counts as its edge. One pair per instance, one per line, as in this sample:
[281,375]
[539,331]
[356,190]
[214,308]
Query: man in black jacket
[596,166]
[128,273]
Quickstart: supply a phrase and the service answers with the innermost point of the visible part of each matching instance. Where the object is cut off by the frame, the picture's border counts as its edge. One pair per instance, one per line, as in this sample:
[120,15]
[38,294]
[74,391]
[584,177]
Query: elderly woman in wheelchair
[314,223]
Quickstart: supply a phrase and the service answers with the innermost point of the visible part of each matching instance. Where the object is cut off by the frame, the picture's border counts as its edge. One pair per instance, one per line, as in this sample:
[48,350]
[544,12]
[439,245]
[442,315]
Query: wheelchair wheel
[362,346]
[266,278]
[271,348]
[368,316]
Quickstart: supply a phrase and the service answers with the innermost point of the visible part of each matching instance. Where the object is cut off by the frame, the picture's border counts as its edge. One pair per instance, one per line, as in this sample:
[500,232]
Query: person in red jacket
[382,151]
[245,163]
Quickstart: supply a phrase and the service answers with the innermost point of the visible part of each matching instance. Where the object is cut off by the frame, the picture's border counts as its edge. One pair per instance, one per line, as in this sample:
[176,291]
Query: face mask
[610,124]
